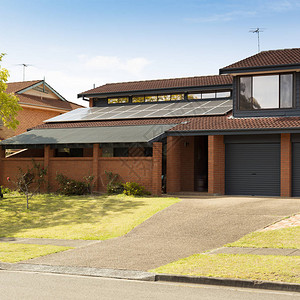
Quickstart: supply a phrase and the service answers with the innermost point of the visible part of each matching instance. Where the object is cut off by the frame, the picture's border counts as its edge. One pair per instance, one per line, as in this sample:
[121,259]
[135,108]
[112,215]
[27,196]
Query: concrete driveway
[191,226]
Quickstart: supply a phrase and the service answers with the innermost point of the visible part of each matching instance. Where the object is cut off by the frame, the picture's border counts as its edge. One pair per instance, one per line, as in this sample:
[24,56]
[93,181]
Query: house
[39,101]
[236,133]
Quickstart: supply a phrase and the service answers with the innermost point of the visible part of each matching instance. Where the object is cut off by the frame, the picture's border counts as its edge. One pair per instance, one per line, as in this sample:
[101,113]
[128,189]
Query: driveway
[191,226]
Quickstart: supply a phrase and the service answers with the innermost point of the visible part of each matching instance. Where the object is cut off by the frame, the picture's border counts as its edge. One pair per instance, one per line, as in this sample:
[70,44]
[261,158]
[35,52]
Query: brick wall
[187,169]
[180,164]
[216,164]
[28,118]
[146,171]
[134,169]
[173,164]
[157,169]
[286,165]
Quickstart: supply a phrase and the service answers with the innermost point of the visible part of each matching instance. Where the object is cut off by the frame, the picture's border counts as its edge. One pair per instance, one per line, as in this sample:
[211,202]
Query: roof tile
[161,84]
[200,123]
[268,58]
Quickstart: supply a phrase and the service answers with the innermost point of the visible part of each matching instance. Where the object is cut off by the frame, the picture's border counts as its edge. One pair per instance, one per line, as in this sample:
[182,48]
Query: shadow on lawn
[51,210]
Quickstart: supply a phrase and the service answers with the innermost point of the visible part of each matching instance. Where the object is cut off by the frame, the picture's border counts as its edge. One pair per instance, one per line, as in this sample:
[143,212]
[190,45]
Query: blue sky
[76,44]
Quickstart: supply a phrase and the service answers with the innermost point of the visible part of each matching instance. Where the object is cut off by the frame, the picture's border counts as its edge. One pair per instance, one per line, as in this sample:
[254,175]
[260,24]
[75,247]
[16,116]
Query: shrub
[70,186]
[30,181]
[134,189]
[5,190]
[114,186]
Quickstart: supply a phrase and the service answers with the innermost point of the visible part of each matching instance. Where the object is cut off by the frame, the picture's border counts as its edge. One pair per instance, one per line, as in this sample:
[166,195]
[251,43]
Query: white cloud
[113,63]
[222,17]
[283,5]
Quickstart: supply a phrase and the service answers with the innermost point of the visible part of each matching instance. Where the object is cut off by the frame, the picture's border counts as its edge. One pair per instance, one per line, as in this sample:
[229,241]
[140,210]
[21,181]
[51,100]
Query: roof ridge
[164,79]
[26,81]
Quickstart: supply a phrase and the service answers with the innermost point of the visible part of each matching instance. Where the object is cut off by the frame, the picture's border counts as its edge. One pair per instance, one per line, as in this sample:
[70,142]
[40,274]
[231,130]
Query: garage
[252,165]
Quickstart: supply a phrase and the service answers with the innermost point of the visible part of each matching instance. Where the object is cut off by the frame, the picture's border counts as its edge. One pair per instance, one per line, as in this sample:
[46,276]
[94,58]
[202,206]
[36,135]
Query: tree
[9,105]
[30,181]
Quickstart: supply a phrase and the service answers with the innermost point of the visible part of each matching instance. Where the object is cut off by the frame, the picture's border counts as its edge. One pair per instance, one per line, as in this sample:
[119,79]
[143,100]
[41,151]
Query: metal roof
[115,134]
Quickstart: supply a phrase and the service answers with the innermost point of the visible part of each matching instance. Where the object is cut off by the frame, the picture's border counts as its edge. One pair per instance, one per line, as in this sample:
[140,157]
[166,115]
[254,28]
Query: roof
[159,84]
[114,134]
[269,58]
[20,87]
[14,87]
[47,102]
[200,123]
[228,123]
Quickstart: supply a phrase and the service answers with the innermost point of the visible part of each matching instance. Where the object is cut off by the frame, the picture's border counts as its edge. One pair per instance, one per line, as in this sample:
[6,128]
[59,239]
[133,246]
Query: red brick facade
[146,171]
[286,165]
[216,164]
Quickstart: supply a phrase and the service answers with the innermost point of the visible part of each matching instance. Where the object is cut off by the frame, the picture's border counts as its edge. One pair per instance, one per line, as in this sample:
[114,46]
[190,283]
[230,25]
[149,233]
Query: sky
[75,44]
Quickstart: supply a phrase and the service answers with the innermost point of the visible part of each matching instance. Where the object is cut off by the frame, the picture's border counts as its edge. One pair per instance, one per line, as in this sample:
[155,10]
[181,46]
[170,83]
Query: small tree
[9,105]
[29,182]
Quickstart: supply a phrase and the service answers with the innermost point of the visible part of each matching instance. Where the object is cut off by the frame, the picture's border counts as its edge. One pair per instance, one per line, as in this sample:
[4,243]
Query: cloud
[222,17]
[114,63]
[283,5]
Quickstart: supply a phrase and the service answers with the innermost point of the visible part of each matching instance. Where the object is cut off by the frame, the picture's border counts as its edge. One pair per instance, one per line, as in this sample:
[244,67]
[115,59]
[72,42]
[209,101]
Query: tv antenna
[258,31]
[24,66]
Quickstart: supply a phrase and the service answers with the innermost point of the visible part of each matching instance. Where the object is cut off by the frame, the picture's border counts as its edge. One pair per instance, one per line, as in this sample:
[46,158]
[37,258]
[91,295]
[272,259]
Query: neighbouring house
[237,133]
[39,101]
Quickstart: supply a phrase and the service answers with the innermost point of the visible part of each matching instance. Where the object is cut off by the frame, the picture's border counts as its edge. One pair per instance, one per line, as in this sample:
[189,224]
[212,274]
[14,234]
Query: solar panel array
[140,111]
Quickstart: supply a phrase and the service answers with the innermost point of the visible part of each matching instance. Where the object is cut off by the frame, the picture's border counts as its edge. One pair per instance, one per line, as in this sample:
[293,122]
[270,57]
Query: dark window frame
[279,92]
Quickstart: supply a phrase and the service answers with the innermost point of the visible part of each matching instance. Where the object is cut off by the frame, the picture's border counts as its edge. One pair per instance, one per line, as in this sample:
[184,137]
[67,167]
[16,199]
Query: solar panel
[149,110]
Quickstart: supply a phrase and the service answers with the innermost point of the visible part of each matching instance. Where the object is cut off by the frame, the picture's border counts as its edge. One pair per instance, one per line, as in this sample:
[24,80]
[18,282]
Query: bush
[134,189]
[73,187]
[114,186]
[5,190]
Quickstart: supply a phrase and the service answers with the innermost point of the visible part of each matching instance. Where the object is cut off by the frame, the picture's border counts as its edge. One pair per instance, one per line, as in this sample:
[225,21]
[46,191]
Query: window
[194,96]
[117,100]
[69,152]
[138,99]
[164,97]
[223,94]
[150,98]
[176,97]
[266,92]
[209,95]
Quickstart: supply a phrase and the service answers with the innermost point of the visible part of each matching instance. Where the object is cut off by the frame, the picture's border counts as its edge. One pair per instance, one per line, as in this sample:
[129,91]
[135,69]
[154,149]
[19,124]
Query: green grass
[279,238]
[12,253]
[76,217]
[254,267]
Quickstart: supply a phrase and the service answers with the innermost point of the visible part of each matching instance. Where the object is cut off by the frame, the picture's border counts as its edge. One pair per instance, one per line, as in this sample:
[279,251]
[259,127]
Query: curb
[80,271]
[253,284]
[147,276]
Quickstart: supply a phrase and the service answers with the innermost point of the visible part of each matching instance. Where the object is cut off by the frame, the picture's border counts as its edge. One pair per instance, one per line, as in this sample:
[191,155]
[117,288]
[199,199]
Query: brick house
[39,102]
[237,133]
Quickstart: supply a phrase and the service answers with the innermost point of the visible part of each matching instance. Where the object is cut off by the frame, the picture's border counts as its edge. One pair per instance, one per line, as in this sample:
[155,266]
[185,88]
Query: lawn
[12,253]
[246,266]
[242,266]
[279,238]
[76,217]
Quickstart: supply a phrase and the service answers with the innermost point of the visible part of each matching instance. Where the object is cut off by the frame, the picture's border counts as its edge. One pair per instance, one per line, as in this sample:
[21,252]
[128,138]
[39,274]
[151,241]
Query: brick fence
[143,170]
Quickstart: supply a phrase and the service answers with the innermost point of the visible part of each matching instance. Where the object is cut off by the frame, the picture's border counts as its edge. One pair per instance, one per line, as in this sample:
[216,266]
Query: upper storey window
[265,92]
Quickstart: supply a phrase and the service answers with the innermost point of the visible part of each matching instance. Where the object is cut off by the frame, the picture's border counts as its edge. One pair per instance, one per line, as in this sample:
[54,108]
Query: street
[25,285]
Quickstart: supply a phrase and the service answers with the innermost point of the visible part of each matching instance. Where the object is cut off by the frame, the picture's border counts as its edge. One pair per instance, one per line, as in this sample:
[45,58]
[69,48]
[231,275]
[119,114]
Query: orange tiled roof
[161,84]
[201,123]
[14,87]
[268,58]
